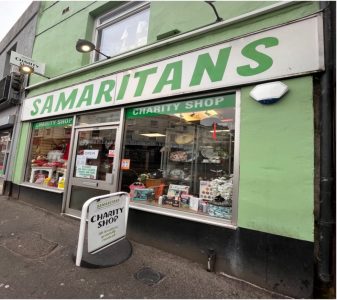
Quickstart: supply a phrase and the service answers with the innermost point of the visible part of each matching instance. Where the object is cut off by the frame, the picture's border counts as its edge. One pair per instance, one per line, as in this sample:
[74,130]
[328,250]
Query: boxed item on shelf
[143,194]
[219,211]
[205,190]
[166,200]
[185,201]
[194,203]
[203,206]
[135,185]
[177,190]
[60,184]
[40,178]
[176,202]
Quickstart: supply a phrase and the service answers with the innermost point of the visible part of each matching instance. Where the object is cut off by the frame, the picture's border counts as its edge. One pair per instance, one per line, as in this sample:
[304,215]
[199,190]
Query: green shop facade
[212,135]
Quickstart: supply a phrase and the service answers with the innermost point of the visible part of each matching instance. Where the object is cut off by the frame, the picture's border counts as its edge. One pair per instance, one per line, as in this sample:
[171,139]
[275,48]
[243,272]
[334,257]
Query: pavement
[36,248]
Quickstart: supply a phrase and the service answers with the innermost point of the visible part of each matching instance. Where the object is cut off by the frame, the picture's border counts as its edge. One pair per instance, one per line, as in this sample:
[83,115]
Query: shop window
[48,161]
[123,29]
[182,156]
[5,143]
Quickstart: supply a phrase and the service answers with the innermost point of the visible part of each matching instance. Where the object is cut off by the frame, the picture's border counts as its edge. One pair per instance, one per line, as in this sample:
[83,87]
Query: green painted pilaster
[276,192]
[19,165]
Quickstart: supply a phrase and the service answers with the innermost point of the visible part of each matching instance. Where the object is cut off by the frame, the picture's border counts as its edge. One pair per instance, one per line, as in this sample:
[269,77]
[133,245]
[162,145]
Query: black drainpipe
[325,286]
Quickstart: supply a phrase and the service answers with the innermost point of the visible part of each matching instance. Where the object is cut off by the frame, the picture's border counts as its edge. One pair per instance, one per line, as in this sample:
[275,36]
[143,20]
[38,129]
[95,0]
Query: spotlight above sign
[85,46]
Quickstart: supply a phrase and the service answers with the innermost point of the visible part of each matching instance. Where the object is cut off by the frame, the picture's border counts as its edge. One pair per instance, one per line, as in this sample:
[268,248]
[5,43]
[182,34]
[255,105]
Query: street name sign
[18,59]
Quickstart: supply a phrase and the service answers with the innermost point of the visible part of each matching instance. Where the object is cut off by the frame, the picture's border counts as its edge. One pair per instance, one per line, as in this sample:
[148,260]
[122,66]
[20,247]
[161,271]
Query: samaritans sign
[288,50]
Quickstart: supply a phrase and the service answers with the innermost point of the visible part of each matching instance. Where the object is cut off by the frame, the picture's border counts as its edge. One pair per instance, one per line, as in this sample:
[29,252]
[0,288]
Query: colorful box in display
[143,194]
[220,211]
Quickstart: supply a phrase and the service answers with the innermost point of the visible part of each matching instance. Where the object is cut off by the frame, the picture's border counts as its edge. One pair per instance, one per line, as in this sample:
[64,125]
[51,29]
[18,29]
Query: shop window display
[5,142]
[49,154]
[182,156]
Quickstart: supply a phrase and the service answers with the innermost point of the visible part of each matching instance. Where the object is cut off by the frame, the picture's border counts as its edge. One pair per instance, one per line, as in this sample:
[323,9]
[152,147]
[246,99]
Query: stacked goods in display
[222,191]
[49,153]
[48,170]
[217,202]
[192,174]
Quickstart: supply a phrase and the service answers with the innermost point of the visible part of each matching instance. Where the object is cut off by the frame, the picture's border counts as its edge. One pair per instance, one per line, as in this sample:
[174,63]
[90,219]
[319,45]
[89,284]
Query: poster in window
[81,160]
[91,154]
[125,164]
[86,172]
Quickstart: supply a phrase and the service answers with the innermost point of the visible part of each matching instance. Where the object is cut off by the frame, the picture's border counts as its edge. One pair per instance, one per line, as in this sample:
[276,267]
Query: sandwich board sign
[107,218]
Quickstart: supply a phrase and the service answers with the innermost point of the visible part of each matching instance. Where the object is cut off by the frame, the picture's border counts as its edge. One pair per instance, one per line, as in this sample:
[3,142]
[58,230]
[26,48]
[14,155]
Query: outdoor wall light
[85,46]
[25,69]
[218,19]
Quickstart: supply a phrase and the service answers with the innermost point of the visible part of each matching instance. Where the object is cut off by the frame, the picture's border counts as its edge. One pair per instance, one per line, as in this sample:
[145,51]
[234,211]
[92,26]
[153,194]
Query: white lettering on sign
[267,55]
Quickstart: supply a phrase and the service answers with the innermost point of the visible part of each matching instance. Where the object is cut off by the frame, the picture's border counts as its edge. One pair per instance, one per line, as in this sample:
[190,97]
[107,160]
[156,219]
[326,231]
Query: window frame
[118,14]
[233,223]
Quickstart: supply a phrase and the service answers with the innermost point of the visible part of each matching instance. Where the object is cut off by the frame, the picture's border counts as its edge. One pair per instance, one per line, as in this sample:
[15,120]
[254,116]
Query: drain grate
[148,276]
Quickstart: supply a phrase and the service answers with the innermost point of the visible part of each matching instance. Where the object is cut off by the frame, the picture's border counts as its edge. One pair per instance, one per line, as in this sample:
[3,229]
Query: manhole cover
[148,276]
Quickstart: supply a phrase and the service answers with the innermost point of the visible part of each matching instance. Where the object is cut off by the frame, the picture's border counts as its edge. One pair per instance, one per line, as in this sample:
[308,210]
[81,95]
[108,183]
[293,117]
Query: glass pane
[80,194]
[49,155]
[98,118]
[182,155]
[124,35]
[95,154]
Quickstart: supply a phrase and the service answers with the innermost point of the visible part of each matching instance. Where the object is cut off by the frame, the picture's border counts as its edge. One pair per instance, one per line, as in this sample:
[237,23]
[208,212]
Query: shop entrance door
[94,166]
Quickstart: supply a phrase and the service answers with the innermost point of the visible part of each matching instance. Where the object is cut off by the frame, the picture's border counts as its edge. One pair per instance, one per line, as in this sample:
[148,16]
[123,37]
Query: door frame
[115,169]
